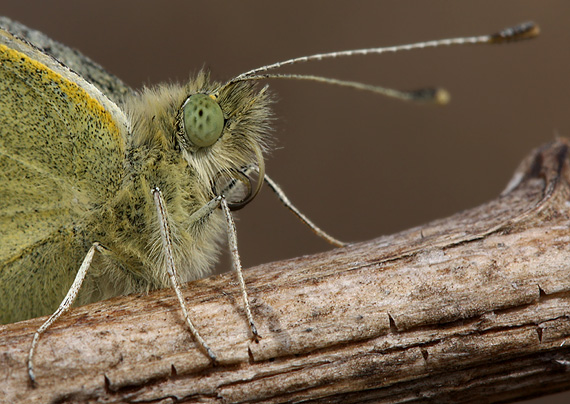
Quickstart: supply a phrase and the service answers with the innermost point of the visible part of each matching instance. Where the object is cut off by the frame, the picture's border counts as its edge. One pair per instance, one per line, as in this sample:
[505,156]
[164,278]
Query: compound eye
[203,120]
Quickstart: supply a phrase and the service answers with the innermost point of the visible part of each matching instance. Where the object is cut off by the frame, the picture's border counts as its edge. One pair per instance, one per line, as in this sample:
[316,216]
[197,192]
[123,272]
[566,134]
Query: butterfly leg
[213,204]
[171,266]
[63,307]
[285,201]
[232,240]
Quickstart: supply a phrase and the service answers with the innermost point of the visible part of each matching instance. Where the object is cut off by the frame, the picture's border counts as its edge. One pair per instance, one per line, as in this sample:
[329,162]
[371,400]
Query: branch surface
[471,308]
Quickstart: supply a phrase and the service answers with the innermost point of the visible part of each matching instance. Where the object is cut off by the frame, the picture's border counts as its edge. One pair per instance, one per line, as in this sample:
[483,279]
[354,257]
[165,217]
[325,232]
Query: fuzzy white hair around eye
[154,114]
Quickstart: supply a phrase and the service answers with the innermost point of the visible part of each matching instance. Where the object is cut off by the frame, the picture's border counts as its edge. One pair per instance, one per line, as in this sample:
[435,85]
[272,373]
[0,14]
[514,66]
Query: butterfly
[109,191]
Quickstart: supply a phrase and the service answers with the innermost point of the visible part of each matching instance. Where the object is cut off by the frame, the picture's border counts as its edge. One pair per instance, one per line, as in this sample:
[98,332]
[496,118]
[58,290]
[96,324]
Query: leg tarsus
[63,307]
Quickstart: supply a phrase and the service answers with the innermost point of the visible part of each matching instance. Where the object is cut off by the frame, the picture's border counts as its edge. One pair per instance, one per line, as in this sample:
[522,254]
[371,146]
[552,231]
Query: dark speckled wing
[62,145]
[107,83]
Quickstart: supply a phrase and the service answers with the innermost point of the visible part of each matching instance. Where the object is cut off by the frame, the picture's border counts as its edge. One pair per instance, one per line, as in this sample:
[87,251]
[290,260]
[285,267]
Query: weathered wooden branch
[472,308]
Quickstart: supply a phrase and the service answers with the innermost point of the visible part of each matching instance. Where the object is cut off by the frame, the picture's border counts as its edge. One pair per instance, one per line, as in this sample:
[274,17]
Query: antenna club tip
[437,96]
[525,30]
[441,96]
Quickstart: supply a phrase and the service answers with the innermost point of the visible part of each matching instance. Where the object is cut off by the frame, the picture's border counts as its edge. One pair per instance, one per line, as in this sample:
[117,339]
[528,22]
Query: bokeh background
[358,164]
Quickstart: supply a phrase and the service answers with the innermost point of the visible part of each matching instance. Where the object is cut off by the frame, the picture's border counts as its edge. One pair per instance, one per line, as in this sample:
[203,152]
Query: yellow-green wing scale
[107,83]
[62,145]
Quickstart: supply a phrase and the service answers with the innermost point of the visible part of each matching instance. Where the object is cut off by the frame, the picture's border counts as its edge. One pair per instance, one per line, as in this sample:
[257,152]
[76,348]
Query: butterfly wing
[62,145]
[107,83]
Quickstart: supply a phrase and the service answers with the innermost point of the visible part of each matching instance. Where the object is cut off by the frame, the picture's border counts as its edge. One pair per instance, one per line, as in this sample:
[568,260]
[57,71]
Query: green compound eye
[203,120]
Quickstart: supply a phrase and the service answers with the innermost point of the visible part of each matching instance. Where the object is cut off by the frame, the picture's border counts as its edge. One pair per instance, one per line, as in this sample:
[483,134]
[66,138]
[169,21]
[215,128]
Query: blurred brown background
[358,164]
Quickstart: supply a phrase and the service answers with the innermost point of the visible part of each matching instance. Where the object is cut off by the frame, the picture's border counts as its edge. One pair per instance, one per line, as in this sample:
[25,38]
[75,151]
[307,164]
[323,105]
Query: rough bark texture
[472,308]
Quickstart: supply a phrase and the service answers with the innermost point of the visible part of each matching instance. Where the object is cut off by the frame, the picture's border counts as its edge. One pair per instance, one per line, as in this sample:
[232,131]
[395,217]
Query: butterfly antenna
[526,30]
